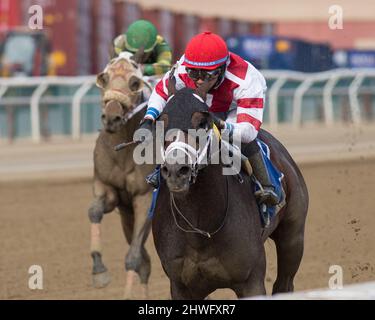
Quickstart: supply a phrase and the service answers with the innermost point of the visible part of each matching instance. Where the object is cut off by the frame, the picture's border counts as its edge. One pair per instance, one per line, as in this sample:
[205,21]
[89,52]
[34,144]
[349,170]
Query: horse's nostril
[183,171]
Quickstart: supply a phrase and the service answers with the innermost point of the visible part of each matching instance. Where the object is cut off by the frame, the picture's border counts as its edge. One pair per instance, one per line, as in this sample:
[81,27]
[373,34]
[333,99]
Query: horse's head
[121,84]
[189,135]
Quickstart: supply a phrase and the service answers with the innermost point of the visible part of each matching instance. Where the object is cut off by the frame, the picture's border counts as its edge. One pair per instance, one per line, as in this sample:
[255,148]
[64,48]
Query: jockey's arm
[249,97]
[158,99]
[163,60]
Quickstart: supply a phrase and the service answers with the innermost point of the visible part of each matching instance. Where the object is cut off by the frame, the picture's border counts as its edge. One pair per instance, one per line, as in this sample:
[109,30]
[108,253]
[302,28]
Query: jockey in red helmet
[233,82]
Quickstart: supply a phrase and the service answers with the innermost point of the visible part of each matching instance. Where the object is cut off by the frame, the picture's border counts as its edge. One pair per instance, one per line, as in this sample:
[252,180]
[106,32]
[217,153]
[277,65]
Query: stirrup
[153,179]
[267,196]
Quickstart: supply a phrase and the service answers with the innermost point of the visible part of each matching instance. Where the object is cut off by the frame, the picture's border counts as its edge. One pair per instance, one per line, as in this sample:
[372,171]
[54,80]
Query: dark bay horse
[118,181]
[207,227]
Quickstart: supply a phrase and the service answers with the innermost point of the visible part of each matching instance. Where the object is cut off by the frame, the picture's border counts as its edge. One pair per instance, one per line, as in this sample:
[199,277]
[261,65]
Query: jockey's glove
[219,123]
[146,124]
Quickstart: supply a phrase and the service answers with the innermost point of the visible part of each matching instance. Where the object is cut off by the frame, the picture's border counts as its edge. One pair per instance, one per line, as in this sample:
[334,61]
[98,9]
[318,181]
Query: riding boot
[153,178]
[266,194]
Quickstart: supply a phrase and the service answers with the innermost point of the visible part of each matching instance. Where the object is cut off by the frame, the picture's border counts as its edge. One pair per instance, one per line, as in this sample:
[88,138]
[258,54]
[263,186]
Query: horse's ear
[172,83]
[138,56]
[203,90]
[102,80]
[111,53]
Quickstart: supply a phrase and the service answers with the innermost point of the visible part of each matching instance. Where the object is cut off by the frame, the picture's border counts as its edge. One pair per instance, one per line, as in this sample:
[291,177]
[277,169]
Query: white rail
[35,118]
[273,95]
[42,84]
[76,108]
[307,80]
[277,88]
[353,97]
[328,100]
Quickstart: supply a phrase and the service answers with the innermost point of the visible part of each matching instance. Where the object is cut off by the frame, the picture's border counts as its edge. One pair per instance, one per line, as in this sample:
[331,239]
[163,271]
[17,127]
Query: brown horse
[207,227]
[118,181]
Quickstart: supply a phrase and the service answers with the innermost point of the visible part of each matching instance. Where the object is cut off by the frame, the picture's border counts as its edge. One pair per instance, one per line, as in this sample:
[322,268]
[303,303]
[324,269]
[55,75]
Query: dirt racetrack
[45,223]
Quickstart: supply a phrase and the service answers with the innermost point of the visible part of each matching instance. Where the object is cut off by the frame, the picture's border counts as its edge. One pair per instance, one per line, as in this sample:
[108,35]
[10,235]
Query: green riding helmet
[141,33]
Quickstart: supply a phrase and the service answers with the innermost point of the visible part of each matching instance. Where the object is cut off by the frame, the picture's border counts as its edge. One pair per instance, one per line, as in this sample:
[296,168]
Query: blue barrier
[354,59]
[282,53]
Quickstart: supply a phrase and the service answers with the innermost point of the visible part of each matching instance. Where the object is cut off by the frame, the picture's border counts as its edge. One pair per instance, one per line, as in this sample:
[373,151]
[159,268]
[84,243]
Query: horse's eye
[134,65]
[134,84]
[203,125]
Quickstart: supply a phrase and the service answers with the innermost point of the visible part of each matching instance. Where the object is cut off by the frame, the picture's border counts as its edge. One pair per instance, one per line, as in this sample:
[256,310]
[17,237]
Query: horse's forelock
[124,57]
[181,107]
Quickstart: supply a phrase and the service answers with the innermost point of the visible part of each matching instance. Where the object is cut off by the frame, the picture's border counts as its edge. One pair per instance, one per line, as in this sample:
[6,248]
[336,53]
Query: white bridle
[195,157]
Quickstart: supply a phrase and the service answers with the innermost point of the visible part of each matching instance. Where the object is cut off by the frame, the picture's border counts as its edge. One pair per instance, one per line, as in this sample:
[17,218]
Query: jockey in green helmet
[157,58]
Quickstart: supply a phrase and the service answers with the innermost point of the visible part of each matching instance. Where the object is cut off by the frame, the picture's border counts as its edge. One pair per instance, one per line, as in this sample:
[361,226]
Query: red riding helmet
[206,51]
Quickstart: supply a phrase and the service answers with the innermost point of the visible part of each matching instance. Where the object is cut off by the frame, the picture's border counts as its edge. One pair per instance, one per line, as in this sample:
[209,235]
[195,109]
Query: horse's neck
[123,136]
[132,124]
[206,203]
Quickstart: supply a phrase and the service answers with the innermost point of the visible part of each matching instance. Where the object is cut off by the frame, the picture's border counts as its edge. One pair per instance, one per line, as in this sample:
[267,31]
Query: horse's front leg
[137,260]
[105,201]
[181,292]
[254,285]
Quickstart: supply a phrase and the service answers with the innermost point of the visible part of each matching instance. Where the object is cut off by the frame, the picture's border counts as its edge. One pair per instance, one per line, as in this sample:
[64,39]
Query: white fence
[304,83]
[41,85]
[329,79]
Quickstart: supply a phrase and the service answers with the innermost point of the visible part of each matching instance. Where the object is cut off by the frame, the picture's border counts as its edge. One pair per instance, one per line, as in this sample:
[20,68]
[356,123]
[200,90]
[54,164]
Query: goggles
[205,75]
